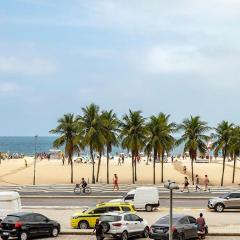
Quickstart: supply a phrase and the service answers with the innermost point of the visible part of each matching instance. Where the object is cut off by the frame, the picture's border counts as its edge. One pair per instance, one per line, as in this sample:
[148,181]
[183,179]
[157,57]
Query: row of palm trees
[99,131]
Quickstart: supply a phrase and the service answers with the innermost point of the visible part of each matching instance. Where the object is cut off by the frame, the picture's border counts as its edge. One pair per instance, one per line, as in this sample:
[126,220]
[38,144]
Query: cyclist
[83,184]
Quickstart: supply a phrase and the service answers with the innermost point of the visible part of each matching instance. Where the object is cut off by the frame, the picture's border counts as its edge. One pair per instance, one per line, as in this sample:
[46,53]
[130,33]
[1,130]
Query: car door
[43,224]
[129,223]
[185,227]
[193,223]
[233,200]
[29,224]
[137,224]
[95,214]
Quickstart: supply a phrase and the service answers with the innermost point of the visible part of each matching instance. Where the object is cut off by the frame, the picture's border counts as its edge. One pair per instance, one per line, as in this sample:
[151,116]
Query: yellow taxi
[87,218]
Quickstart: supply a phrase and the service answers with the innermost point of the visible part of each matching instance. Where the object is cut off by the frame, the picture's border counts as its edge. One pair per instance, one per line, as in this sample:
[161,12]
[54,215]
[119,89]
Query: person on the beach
[115,182]
[99,230]
[206,182]
[197,182]
[185,184]
[119,161]
[83,184]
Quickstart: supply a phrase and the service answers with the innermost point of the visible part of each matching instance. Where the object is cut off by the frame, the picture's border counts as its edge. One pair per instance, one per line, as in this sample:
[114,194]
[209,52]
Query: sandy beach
[53,172]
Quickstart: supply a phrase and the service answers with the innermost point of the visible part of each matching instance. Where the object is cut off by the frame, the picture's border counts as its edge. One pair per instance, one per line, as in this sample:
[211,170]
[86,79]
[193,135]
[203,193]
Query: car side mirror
[227,198]
[140,220]
[0,220]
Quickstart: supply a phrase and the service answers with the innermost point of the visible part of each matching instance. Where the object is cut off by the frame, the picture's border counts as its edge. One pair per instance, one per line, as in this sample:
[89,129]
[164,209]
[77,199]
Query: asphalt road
[188,203]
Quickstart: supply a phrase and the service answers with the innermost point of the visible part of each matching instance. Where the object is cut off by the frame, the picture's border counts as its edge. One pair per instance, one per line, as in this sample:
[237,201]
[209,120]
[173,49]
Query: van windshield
[129,197]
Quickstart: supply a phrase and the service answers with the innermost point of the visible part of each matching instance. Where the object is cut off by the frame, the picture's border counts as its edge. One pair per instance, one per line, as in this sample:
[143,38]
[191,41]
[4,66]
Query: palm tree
[223,136]
[110,128]
[133,134]
[92,131]
[194,137]
[69,136]
[235,148]
[159,138]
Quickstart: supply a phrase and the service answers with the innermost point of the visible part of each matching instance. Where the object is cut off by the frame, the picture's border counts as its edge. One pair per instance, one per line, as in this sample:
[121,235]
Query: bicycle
[79,189]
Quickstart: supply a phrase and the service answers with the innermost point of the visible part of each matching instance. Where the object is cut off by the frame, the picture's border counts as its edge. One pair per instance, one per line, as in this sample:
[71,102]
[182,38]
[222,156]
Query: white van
[143,198]
[10,202]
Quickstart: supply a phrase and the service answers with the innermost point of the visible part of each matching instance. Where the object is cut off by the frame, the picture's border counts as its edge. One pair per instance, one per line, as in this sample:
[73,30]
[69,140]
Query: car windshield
[165,220]
[224,195]
[11,219]
[110,218]
[88,210]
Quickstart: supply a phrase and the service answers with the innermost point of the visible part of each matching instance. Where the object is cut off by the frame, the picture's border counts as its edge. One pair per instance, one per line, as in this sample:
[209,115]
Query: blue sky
[179,57]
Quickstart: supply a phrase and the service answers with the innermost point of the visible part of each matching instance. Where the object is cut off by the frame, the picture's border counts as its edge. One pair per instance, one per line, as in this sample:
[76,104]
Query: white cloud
[26,65]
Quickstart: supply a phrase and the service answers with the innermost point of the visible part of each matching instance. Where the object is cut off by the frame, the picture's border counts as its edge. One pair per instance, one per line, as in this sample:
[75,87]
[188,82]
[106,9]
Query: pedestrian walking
[115,182]
[185,184]
[197,181]
[99,230]
[206,183]
[119,161]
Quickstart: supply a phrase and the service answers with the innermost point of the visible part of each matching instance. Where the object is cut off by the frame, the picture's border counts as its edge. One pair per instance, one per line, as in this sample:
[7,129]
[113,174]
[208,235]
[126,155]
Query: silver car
[226,201]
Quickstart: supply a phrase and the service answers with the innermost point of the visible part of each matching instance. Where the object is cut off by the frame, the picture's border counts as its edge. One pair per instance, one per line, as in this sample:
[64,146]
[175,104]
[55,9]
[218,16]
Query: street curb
[55,207]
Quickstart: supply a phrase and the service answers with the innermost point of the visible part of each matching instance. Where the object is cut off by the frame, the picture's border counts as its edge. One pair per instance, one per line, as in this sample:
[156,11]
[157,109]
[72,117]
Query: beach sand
[52,172]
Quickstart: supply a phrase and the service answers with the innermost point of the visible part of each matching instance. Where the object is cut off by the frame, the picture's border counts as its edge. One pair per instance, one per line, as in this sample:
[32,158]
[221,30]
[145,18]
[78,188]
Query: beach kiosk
[10,202]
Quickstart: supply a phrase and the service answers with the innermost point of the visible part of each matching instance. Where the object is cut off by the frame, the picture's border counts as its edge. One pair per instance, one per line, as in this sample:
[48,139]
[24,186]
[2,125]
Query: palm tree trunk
[154,166]
[135,163]
[162,169]
[223,170]
[234,168]
[99,165]
[93,171]
[107,165]
[192,159]
[133,176]
[71,163]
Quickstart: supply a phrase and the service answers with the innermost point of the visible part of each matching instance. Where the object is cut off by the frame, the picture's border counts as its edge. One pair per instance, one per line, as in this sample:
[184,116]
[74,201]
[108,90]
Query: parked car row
[124,225]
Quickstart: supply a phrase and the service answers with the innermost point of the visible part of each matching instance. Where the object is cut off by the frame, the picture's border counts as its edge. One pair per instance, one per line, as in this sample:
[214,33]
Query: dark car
[184,227]
[26,225]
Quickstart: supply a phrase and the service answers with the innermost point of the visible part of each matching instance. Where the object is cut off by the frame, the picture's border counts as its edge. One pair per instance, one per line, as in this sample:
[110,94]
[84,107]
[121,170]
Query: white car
[124,225]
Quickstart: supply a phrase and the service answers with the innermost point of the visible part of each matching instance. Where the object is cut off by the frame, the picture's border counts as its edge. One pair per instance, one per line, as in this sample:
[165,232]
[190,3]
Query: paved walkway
[104,189]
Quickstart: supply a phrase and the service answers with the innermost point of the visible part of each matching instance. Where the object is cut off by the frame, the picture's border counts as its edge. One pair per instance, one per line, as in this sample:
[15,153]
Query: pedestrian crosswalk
[104,188]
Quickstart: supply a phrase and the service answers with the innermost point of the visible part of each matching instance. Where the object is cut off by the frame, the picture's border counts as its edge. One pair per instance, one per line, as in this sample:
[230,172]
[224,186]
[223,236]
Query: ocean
[26,145]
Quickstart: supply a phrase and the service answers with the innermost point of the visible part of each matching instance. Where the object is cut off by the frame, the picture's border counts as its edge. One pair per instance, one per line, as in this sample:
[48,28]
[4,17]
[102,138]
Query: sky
[178,57]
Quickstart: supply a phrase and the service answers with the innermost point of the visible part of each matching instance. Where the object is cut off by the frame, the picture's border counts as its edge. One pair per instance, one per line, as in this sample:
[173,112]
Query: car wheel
[146,232]
[181,236]
[106,227]
[148,208]
[83,225]
[219,207]
[4,237]
[124,235]
[55,232]
[23,236]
